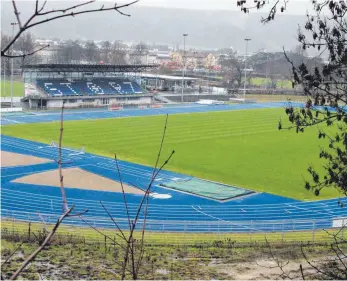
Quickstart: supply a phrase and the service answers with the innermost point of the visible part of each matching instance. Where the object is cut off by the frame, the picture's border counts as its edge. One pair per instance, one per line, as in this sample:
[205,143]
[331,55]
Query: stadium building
[81,86]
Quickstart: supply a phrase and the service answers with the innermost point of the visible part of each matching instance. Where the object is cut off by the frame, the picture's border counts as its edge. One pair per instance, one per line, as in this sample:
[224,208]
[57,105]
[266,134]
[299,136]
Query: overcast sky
[298,7]
[293,7]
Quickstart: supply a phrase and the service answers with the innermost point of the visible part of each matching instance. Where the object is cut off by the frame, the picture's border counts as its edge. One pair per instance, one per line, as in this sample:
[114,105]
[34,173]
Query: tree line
[73,51]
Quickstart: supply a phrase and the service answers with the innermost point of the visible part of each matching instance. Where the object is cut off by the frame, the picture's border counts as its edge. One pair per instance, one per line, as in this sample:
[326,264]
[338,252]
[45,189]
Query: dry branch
[60,160]
[27,54]
[66,211]
[44,243]
[63,13]
[11,255]
[132,256]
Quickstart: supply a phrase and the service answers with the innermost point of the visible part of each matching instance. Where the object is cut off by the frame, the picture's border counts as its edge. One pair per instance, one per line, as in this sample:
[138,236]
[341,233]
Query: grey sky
[293,7]
[298,7]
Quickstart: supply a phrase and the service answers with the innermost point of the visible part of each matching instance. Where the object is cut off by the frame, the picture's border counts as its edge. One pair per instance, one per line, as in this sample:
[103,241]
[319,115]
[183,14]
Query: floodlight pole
[4,70]
[184,62]
[244,82]
[13,24]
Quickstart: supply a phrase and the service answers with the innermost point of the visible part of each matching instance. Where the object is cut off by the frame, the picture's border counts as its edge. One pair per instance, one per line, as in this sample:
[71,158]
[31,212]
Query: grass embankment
[280,84]
[241,148]
[276,98]
[175,238]
[18,89]
[70,257]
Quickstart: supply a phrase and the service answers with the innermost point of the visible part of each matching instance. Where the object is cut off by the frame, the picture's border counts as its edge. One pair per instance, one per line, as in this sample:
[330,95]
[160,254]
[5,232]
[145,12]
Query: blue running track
[38,117]
[169,210]
[173,210]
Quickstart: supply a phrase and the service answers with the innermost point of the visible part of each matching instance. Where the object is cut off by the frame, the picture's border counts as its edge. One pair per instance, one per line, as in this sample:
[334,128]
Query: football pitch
[240,148]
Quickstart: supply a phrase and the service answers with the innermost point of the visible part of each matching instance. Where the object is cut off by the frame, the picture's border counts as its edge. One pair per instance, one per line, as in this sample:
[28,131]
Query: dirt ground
[77,178]
[263,269]
[9,159]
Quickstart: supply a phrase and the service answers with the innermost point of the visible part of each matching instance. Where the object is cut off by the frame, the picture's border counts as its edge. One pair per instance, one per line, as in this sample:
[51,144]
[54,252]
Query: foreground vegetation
[242,148]
[67,258]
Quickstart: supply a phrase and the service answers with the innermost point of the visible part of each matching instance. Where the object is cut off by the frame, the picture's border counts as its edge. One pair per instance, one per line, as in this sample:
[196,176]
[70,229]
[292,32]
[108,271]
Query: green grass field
[242,148]
[275,98]
[18,89]
[259,81]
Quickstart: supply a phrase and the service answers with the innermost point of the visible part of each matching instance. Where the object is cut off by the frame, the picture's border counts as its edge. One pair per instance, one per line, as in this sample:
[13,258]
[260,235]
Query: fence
[182,232]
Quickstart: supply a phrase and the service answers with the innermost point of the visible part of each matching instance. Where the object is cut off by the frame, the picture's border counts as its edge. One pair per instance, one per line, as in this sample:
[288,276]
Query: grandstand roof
[86,68]
[166,77]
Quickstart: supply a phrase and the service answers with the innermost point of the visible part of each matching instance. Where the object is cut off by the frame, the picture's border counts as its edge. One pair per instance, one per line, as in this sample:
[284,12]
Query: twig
[333,276]
[161,145]
[38,12]
[61,177]
[302,272]
[28,54]
[65,10]
[42,219]
[44,243]
[11,255]
[123,192]
[17,14]
[116,224]
[78,214]
[100,232]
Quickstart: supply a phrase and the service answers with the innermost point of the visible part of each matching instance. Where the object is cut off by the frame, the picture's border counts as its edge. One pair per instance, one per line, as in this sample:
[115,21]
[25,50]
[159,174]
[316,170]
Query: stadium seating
[96,86]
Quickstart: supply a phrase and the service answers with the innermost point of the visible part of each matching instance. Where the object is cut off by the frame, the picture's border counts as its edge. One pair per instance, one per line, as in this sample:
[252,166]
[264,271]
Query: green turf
[259,81]
[241,148]
[18,89]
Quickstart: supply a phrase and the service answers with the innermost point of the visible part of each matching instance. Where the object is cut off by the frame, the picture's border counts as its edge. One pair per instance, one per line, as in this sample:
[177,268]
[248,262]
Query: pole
[13,24]
[4,70]
[266,71]
[184,63]
[244,83]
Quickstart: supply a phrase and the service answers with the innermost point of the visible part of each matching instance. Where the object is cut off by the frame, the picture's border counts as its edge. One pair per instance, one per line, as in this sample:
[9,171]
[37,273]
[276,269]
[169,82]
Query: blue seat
[94,87]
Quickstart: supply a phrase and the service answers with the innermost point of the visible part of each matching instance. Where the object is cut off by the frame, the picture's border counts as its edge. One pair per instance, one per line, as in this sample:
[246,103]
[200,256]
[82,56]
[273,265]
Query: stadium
[46,86]
[227,176]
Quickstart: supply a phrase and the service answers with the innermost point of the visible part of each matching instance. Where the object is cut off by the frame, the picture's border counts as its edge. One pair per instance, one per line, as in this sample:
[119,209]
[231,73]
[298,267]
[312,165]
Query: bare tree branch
[123,192]
[130,249]
[11,255]
[44,243]
[78,214]
[65,10]
[115,223]
[42,219]
[100,232]
[60,160]
[28,54]
[72,13]
[43,6]
[17,14]
[302,272]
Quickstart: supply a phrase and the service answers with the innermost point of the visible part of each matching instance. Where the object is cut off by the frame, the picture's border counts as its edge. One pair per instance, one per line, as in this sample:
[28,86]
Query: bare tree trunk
[60,160]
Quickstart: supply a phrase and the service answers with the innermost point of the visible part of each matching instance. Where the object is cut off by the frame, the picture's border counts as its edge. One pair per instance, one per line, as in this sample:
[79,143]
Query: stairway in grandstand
[162,99]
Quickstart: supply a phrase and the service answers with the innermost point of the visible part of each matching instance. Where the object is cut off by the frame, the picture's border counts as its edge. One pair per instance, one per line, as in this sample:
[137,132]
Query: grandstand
[99,86]
[48,85]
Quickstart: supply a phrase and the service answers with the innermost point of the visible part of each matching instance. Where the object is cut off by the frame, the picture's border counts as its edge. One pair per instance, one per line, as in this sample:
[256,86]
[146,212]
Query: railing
[327,210]
[183,232]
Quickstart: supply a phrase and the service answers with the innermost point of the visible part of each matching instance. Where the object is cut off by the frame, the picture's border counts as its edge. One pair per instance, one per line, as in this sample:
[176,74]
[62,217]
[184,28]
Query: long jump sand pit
[77,178]
[10,159]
